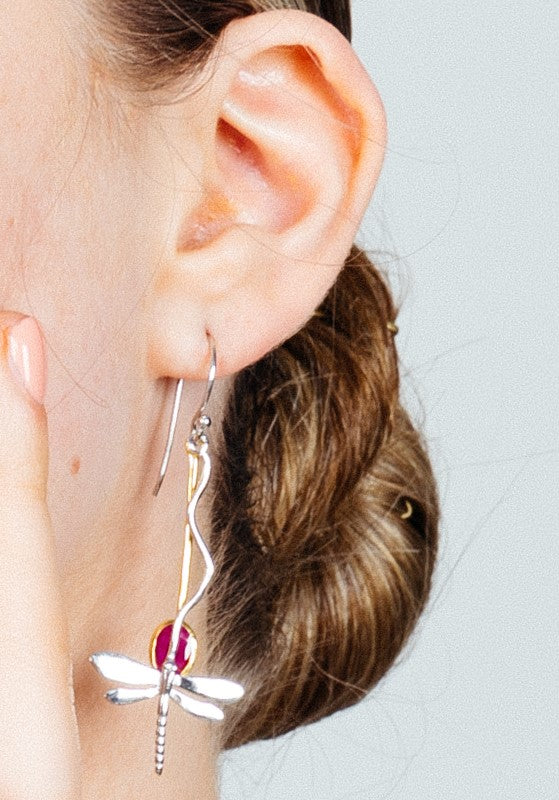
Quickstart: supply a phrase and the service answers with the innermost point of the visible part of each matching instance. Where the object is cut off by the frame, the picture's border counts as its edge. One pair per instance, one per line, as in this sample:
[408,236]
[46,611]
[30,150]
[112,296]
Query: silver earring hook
[175,414]
[210,380]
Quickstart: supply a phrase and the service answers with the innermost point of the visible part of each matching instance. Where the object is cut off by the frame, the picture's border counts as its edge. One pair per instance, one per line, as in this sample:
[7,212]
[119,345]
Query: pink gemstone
[184,650]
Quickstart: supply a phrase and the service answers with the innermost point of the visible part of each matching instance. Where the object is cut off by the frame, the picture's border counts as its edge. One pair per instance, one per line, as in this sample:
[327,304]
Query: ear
[286,137]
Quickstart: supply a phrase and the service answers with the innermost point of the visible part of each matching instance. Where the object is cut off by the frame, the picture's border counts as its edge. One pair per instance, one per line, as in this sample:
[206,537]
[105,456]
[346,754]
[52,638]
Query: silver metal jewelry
[173,644]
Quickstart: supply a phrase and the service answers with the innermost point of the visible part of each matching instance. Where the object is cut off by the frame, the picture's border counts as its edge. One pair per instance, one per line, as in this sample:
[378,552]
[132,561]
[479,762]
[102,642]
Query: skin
[128,231]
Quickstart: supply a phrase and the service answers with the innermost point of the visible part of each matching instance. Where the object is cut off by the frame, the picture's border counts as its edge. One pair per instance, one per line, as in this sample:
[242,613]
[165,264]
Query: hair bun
[325,516]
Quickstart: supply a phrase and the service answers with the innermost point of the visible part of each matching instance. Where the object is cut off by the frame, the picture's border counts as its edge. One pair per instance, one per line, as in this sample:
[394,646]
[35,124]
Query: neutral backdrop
[466,221]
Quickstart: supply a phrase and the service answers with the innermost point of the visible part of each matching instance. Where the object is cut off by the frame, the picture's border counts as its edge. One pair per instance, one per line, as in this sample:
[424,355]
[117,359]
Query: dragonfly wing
[216,688]
[116,667]
[123,695]
[196,707]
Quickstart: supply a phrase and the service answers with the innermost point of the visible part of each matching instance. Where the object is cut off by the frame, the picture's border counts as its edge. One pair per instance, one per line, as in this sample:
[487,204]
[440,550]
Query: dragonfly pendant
[167,683]
[173,643]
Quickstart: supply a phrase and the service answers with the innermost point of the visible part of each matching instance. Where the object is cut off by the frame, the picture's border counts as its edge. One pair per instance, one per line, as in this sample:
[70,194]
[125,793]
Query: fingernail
[26,356]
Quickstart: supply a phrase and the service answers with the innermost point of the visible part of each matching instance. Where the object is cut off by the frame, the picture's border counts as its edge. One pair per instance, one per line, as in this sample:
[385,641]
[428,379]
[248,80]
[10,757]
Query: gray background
[468,206]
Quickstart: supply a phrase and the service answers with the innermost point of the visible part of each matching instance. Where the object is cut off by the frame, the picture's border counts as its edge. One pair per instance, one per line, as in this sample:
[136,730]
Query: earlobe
[294,140]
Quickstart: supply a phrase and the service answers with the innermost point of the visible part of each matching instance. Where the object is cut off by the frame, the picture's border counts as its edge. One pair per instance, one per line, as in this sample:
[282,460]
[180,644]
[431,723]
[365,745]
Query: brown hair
[322,569]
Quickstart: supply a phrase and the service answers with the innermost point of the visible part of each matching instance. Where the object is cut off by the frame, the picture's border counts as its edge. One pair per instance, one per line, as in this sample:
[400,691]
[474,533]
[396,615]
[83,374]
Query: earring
[173,644]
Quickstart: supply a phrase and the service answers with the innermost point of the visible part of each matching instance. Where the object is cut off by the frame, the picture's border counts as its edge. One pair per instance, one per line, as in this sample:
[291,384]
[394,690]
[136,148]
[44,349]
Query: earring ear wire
[176,408]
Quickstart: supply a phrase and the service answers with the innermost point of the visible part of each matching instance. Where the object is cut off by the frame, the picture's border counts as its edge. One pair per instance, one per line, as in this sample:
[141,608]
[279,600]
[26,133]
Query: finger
[39,757]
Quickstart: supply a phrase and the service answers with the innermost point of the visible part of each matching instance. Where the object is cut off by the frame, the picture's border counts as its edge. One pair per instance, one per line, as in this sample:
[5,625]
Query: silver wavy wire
[208,561]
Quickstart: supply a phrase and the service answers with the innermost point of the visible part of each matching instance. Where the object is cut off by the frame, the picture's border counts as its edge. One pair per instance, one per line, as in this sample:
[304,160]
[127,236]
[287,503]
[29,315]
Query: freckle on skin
[75,466]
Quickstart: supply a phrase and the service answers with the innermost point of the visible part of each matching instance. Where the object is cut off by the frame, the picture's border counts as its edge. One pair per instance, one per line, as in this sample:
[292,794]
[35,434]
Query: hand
[39,752]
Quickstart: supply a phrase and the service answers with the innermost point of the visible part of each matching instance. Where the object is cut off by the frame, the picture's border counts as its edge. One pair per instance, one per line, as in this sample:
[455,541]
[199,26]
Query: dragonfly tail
[160,732]
[160,745]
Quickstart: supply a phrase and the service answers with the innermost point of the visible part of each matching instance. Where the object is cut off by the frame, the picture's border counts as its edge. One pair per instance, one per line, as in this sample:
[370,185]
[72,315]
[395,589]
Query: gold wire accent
[192,482]
[392,327]
[408,512]
[187,546]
